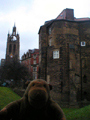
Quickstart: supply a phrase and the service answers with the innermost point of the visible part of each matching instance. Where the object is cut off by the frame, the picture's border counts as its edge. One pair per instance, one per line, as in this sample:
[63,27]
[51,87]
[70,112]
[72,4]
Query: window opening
[10,48]
[55,54]
[83,43]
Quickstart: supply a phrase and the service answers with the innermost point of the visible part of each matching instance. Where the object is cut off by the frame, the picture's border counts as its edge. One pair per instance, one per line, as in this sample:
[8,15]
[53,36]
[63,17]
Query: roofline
[40,28]
[55,20]
[68,21]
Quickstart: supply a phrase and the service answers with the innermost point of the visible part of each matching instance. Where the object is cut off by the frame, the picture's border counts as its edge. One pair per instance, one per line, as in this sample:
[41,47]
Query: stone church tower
[12,50]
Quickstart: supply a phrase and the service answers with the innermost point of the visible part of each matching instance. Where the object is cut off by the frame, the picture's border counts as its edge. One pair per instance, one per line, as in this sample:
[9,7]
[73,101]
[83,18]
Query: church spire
[14,30]
[14,24]
[12,51]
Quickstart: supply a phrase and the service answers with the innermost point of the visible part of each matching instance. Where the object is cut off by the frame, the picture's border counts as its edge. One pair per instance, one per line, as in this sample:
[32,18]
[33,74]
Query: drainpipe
[68,74]
[80,61]
[46,66]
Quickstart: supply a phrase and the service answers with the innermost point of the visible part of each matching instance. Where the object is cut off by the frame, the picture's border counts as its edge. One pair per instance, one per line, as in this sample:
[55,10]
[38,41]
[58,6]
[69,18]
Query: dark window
[85,95]
[10,48]
[60,52]
[85,79]
[14,49]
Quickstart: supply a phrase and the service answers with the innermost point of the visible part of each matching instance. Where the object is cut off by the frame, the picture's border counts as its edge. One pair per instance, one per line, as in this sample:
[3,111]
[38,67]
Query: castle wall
[69,72]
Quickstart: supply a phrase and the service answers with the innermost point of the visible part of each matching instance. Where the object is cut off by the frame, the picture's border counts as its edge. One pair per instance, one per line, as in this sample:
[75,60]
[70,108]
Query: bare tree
[14,70]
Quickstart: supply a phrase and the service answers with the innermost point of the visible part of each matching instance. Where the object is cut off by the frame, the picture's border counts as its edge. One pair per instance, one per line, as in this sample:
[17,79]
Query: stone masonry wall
[64,73]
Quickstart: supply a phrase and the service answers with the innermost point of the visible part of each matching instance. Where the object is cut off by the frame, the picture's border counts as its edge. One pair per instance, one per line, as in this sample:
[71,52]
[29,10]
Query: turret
[14,30]
[8,34]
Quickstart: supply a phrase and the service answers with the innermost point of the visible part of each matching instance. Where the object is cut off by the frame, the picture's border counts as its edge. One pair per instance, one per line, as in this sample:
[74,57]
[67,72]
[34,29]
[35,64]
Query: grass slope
[7,96]
[77,114]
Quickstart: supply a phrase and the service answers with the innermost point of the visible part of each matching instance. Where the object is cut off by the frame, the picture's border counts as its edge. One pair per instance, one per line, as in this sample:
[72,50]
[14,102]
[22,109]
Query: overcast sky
[29,15]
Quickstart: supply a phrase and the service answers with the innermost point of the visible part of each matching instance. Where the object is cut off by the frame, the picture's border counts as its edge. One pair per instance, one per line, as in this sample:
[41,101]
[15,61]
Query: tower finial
[14,24]
[8,32]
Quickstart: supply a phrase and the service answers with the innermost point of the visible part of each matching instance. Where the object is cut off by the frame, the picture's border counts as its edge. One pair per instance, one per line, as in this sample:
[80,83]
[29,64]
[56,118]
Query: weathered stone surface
[66,72]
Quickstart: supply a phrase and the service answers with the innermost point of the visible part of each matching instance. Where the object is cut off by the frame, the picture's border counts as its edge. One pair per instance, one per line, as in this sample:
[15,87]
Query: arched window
[14,49]
[10,48]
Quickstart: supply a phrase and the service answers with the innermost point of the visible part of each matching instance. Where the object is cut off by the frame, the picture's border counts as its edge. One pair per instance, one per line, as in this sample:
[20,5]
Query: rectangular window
[50,41]
[29,54]
[34,62]
[56,54]
[83,43]
[49,31]
[34,69]
[34,56]
[34,75]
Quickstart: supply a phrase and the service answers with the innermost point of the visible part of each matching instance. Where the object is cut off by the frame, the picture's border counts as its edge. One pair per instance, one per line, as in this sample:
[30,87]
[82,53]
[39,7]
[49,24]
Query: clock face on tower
[11,55]
[13,38]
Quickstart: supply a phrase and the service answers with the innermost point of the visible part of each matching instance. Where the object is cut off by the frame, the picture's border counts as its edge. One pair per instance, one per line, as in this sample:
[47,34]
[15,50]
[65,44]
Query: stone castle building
[64,57]
[13,44]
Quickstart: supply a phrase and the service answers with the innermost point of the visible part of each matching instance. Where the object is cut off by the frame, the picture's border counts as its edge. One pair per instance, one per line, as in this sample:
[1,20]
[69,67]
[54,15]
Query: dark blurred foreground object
[36,104]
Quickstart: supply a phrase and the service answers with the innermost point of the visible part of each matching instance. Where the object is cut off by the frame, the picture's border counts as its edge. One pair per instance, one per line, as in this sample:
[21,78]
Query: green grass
[77,114]
[7,96]
[68,110]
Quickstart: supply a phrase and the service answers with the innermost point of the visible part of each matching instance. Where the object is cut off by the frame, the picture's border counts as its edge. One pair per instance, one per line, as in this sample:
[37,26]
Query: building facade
[2,62]
[31,61]
[13,45]
[64,45]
